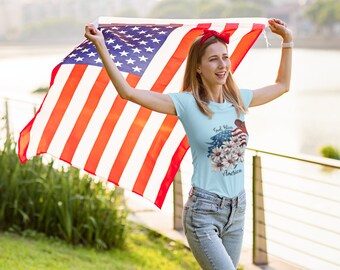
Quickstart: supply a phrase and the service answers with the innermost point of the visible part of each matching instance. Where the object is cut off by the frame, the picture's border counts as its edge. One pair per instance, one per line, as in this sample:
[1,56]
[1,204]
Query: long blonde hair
[193,83]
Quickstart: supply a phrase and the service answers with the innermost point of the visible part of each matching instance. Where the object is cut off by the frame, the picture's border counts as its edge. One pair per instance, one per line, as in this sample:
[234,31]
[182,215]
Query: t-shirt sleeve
[181,101]
[247,96]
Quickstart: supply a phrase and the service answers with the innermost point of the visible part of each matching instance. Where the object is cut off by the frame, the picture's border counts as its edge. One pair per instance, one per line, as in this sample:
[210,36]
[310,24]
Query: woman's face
[215,66]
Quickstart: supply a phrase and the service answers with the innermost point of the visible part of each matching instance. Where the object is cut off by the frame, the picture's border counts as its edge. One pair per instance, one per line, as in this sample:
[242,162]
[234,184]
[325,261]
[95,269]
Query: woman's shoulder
[247,96]
[184,96]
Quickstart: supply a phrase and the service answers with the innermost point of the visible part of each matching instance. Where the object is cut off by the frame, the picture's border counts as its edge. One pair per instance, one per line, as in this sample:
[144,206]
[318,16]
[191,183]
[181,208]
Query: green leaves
[59,201]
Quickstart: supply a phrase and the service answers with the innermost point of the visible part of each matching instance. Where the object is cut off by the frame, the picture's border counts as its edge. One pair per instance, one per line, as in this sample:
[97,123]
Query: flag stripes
[85,123]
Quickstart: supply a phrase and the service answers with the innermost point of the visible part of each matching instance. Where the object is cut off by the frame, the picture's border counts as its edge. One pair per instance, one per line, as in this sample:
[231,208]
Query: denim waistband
[215,198]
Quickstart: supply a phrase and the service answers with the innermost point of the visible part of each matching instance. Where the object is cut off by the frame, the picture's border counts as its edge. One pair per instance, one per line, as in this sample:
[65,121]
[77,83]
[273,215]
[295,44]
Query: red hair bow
[209,33]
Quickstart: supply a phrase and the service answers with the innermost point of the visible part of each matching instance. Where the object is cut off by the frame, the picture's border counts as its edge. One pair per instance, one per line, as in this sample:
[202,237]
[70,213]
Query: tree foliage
[208,9]
[324,13]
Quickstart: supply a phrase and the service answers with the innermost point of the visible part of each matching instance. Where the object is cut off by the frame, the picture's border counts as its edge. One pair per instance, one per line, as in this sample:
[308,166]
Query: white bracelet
[287,44]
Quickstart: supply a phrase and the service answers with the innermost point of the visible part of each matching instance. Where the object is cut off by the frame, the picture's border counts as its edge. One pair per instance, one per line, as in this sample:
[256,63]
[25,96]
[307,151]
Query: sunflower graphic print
[226,148]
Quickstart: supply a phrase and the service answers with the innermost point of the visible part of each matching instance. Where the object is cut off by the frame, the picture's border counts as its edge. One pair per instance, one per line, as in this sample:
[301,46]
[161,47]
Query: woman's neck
[216,95]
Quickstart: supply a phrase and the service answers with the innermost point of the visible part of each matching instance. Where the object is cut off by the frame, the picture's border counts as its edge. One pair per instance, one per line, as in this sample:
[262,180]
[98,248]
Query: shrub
[330,152]
[59,202]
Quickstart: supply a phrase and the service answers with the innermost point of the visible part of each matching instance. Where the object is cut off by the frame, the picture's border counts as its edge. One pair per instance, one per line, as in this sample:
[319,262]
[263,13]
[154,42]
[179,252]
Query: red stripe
[244,45]
[173,168]
[107,128]
[162,136]
[60,107]
[25,134]
[174,63]
[155,149]
[85,116]
[230,28]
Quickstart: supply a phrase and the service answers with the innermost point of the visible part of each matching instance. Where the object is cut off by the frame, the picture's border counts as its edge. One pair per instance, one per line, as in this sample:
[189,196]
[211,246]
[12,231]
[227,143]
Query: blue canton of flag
[131,47]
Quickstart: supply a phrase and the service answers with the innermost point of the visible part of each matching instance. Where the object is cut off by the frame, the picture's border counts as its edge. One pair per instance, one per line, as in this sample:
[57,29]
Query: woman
[211,109]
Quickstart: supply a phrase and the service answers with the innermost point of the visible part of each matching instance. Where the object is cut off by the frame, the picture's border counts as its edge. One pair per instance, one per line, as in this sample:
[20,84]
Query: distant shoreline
[10,49]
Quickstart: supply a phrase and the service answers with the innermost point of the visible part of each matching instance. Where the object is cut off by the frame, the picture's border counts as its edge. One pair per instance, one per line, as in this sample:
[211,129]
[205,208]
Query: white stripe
[161,58]
[73,110]
[43,116]
[242,30]
[117,139]
[175,85]
[118,136]
[141,149]
[94,127]
[163,162]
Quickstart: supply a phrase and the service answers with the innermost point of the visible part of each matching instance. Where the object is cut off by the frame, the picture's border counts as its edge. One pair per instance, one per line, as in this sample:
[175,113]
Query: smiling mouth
[221,74]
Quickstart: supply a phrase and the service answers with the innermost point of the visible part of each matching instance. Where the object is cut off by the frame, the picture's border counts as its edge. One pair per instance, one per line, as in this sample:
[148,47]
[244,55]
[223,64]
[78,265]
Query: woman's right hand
[93,34]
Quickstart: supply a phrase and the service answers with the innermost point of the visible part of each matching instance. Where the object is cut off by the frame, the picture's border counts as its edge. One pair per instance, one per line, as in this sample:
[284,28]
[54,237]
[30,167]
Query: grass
[144,250]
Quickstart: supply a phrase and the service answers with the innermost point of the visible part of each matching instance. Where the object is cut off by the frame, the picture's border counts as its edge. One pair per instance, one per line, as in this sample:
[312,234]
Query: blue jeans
[214,226]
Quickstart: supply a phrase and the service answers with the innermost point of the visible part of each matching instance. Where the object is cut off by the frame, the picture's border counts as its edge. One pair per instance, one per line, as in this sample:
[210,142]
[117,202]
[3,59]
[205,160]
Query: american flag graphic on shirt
[83,121]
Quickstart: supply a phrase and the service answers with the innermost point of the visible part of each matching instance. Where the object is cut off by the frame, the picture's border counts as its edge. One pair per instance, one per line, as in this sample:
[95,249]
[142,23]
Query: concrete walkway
[148,215]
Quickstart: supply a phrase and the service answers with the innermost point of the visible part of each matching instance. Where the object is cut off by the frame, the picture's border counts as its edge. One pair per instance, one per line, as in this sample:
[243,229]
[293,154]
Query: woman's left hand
[279,27]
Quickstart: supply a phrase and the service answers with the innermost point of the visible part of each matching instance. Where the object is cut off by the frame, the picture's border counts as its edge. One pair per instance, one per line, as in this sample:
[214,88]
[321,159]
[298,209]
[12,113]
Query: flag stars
[135,28]
[73,55]
[155,29]
[112,56]
[142,32]
[155,40]
[130,61]
[79,59]
[124,53]
[117,47]
[136,69]
[110,41]
[136,50]
[79,48]
[149,49]
[162,33]
[149,35]
[85,50]
[118,64]
[91,54]
[143,42]
[142,58]
[98,60]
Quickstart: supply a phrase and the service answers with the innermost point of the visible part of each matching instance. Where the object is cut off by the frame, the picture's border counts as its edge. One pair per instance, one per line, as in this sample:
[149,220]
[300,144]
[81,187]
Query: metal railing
[293,202]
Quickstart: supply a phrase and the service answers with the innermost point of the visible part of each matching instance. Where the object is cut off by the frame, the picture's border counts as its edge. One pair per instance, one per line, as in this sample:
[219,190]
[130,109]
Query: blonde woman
[211,108]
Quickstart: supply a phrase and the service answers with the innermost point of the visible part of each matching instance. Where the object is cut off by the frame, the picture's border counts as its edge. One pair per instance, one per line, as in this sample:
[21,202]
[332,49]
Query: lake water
[301,121]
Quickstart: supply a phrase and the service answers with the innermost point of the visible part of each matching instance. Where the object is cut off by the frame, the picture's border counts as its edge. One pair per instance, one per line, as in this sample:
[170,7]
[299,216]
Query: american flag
[83,121]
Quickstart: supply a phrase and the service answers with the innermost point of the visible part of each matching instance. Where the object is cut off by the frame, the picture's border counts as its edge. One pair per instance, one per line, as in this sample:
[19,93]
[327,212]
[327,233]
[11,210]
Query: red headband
[209,33]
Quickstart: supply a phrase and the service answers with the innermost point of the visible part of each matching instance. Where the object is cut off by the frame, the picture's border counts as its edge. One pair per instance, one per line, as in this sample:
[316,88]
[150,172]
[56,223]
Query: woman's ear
[198,70]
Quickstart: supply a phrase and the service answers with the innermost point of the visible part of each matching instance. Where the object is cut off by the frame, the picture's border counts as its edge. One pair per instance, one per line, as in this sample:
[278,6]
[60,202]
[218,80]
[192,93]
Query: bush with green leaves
[329,151]
[59,202]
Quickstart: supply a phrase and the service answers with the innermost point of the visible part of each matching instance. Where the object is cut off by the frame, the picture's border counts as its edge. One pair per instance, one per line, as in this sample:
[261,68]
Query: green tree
[208,9]
[324,14]
[244,9]
[174,9]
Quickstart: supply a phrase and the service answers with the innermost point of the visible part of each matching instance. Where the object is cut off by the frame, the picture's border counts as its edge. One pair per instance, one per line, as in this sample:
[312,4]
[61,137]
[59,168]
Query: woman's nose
[222,63]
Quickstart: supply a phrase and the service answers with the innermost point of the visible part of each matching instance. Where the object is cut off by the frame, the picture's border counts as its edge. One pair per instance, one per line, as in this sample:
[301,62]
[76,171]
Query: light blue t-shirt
[217,144]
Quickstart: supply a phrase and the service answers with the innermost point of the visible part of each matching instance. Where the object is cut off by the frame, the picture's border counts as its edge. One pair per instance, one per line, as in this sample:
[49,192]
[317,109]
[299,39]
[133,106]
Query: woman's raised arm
[152,100]
[282,82]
